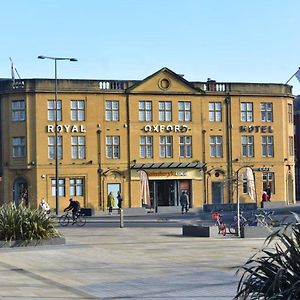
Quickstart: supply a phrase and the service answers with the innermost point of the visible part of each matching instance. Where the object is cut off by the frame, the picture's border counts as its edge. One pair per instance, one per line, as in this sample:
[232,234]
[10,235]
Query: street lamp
[238,196]
[55,119]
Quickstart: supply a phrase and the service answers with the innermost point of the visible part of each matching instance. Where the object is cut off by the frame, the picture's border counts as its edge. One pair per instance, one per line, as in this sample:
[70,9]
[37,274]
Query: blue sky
[229,41]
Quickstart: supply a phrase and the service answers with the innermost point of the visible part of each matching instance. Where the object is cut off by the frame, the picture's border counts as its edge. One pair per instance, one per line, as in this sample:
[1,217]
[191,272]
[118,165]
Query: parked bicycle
[233,227]
[266,218]
[65,219]
[219,222]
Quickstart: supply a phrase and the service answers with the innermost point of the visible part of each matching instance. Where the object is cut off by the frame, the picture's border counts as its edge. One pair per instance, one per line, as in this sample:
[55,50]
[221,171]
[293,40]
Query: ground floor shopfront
[90,187]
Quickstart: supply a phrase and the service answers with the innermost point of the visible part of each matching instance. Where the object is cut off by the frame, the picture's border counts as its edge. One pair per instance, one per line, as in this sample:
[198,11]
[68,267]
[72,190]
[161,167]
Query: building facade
[297,144]
[198,137]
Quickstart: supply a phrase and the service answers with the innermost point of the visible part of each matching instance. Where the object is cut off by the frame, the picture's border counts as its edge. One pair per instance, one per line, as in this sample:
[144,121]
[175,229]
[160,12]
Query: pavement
[127,263]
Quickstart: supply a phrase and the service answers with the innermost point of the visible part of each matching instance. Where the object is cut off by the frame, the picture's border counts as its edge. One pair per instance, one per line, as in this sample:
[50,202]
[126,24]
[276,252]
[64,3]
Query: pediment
[164,81]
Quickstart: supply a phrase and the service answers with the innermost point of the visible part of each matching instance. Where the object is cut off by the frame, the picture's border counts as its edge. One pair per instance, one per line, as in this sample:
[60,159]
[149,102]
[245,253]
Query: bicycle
[265,218]
[65,219]
[233,227]
[219,222]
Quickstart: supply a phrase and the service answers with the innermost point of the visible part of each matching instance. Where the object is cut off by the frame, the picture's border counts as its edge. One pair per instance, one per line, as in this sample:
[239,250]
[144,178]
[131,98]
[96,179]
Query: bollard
[121,218]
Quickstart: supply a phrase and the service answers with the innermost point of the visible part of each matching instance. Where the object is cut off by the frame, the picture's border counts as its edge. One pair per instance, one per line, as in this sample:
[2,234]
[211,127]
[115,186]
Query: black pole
[56,142]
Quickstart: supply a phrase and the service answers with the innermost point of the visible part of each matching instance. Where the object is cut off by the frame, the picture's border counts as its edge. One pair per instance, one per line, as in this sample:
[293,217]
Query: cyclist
[75,207]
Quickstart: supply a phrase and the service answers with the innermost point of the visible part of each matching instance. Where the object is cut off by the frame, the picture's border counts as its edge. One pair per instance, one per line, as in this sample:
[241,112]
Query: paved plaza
[125,263]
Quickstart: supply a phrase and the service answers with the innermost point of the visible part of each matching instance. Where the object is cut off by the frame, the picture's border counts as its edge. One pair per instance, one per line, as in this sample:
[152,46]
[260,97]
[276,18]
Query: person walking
[44,206]
[184,202]
[110,202]
[268,190]
[120,200]
[264,198]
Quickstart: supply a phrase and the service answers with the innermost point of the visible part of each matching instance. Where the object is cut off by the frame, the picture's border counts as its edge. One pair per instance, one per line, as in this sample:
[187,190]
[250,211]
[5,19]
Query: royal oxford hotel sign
[256,128]
[165,128]
[66,128]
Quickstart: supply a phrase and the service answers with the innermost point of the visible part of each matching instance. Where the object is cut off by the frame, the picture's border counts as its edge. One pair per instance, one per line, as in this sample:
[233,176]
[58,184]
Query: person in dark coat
[74,206]
[184,202]
[120,200]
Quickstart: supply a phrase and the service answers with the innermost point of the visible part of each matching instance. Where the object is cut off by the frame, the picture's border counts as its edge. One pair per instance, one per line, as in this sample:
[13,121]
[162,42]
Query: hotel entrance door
[167,192]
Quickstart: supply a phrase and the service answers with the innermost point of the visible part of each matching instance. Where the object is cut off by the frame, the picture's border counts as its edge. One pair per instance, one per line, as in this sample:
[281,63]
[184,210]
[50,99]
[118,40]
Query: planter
[200,231]
[261,231]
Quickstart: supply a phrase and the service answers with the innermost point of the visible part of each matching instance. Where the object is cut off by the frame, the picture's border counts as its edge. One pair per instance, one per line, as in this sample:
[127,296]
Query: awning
[168,165]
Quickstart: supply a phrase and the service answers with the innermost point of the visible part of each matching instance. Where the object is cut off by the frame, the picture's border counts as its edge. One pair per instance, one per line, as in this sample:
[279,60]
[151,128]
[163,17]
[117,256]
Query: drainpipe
[128,148]
[101,204]
[229,147]
[204,168]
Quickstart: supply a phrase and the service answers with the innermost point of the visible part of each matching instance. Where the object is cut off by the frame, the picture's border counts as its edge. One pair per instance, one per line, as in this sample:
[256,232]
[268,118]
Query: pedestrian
[120,200]
[264,198]
[184,202]
[110,202]
[268,190]
[44,206]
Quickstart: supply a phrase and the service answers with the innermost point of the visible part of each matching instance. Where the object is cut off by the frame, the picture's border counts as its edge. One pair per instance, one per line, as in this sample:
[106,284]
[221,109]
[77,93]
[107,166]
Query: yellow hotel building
[194,136]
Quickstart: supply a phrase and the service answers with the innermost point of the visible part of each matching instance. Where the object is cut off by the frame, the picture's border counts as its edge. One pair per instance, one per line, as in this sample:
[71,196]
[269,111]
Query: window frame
[146,146]
[61,187]
[267,143]
[266,111]
[166,146]
[215,112]
[145,111]
[247,147]
[18,111]
[216,146]
[290,113]
[246,112]
[184,111]
[165,111]
[18,147]
[185,146]
[51,147]
[78,147]
[112,114]
[291,146]
[112,148]
[51,110]
[77,187]
[268,179]
[77,112]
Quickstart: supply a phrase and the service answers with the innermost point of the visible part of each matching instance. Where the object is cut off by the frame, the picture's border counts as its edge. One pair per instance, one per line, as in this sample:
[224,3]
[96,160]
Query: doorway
[114,188]
[20,192]
[167,192]
[217,192]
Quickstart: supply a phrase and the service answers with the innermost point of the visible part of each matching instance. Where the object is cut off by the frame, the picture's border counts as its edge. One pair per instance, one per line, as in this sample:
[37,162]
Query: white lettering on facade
[81,128]
[262,169]
[180,173]
[74,129]
[50,128]
[66,128]
[256,128]
[164,128]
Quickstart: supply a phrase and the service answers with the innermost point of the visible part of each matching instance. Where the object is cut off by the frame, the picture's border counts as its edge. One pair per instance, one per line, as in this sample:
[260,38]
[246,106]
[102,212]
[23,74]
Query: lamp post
[238,197]
[55,120]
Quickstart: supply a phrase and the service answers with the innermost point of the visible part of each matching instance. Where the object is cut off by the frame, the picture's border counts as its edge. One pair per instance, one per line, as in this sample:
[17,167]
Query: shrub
[274,272]
[22,223]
